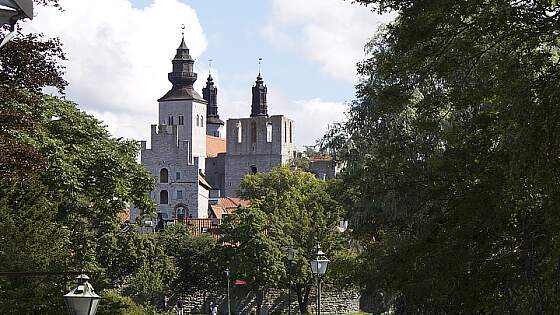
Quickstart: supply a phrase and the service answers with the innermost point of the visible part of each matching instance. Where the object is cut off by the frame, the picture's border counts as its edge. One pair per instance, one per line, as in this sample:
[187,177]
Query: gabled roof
[228,205]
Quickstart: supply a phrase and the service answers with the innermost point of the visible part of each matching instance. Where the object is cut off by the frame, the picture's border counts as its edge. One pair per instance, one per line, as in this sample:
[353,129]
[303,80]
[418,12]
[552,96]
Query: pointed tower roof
[182,77]
[210,94]
[259,106]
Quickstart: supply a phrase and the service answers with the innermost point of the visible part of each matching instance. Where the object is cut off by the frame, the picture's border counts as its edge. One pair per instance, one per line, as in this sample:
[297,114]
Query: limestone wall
[242,302]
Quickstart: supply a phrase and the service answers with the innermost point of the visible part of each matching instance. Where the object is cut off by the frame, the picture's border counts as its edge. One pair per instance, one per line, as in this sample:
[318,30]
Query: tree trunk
[302,292]
[259,300]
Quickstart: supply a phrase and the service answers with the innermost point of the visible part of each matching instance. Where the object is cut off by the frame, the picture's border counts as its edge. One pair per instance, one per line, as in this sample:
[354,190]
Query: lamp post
[82,300]
[228,303]
[10,12]
[291,253]
[13,10]
[319,268]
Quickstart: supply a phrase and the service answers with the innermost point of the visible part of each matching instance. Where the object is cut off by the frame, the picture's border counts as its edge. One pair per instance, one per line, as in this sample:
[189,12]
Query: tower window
[197,120]
[179,194]
[290,132]
[253,132]
[268,132]
[163,175]
[285,132]
[170,120]
[177,175]
[181,120]
[163,197]
[239,132]
[201,121]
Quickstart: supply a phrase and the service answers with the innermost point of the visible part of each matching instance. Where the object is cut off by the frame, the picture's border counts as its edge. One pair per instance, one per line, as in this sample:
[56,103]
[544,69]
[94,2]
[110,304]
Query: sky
[119,53]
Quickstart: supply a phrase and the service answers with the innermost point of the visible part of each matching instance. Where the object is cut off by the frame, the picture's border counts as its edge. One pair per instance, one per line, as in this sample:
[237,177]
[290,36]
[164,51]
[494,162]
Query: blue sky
[119,54]
[235,44]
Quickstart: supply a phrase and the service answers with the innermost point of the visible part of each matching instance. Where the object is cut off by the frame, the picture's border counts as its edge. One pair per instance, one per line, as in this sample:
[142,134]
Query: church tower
[213,122]
[177,156]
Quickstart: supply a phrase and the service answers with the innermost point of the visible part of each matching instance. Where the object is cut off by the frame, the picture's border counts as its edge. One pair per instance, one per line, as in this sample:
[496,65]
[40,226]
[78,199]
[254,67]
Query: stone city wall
[333,301]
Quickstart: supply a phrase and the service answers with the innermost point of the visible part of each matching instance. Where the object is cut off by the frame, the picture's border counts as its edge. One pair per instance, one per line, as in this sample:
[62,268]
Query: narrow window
[181,120]
[268,132]
[253,132]
[163,176]
[197,120]
[179,194]
[170,120]
[285,132]
[178,175]
[201,121]
[290,132]
[163,197]
[239,132]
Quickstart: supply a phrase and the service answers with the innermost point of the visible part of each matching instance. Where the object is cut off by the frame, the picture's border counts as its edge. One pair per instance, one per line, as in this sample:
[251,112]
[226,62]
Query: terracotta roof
[124,215]
[228,205]
[215,145]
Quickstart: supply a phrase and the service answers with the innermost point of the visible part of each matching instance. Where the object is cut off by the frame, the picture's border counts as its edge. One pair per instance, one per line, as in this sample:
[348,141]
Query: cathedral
[198,159]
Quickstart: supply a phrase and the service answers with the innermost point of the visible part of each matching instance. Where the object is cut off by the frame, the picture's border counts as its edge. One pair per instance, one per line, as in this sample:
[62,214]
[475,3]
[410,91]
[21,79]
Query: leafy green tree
[451,154]
[252,252]
[301,213]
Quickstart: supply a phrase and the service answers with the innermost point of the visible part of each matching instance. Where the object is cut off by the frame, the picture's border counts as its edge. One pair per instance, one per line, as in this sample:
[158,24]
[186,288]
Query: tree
[90,178]
[301,213]
[451,154]
[253,255]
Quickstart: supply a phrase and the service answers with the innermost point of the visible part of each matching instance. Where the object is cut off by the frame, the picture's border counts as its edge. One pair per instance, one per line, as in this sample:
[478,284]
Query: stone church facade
[190,174]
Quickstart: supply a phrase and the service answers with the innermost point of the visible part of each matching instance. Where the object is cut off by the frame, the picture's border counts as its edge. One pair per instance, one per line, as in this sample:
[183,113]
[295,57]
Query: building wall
[215,171]
[251,144]
[168,152]
[190,129]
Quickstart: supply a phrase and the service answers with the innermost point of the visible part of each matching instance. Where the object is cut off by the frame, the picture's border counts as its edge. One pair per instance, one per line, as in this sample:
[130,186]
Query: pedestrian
[210,308]
[215,310]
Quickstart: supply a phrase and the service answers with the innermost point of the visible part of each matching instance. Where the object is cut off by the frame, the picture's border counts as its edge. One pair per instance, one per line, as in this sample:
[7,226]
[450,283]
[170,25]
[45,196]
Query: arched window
[201,121]
[180,213]
[268,132]
[163,197]
[163,176]
[285,132]
[239,132]
[253,132]
[197,120]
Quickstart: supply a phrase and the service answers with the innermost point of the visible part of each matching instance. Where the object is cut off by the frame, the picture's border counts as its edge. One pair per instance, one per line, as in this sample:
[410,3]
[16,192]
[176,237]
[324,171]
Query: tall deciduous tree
[452,157]
[301,213]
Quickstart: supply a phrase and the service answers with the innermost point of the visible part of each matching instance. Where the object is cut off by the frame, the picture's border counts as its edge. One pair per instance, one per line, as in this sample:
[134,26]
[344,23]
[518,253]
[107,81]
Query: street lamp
[82,299]
[291,252]
[228,303]
[10,12]
[319,268]
[13,10]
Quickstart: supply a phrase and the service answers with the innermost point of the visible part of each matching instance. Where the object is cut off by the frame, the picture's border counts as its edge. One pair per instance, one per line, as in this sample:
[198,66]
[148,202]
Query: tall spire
[182,76]
[259,107]
[210,94]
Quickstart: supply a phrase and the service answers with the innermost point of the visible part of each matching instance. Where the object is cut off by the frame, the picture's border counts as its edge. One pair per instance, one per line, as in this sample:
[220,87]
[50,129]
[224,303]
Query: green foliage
[451,155]
[254,255]
[66,208]
[295,210]
[115,304]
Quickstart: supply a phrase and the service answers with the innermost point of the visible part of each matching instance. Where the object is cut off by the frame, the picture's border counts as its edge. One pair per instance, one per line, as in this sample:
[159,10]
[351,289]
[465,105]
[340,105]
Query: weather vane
[183,30]
[209,66]
[260,61]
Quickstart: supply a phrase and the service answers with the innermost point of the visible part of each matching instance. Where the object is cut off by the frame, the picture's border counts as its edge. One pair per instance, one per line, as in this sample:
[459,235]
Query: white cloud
[330,32]
[119,56]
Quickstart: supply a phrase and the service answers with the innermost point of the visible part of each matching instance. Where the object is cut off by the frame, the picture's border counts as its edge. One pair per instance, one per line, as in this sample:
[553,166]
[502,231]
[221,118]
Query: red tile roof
[215,145]
[228,205]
